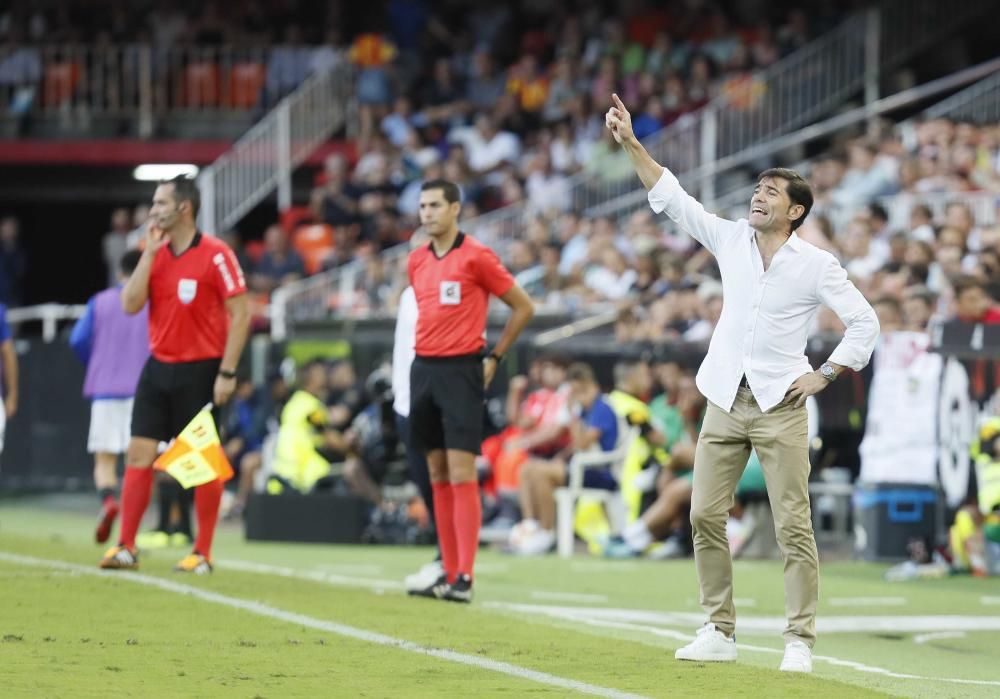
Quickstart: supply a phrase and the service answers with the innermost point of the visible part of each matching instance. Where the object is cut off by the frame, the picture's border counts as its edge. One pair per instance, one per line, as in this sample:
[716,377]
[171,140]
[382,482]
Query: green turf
[63,634]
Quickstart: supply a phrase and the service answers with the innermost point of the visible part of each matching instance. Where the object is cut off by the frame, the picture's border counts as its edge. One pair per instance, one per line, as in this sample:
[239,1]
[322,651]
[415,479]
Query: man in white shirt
[489,148]
[756,378]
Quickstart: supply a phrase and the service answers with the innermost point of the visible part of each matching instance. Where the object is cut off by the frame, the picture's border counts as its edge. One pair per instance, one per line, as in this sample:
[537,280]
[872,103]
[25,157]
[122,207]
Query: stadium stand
[507,102]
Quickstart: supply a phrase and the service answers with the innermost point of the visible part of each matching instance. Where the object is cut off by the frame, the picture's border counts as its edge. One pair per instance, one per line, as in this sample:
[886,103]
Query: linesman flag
[196,456]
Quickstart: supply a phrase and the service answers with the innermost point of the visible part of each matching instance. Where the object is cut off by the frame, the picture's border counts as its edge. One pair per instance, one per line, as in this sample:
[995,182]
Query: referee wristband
[495,357]
[227,374]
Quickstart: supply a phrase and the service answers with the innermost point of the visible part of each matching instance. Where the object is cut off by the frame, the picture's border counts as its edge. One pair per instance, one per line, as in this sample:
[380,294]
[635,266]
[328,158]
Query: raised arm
[619,121]
[135,293]
[665,192]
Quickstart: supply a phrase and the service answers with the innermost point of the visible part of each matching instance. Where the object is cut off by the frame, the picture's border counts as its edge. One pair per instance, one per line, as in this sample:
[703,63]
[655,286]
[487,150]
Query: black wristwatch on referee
[226,374]
[495,357]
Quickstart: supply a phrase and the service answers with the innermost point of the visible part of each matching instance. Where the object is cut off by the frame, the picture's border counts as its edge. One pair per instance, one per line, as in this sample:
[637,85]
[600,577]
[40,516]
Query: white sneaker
[798,658]
[521,532]
[710,645]
[538,543]
[425,577]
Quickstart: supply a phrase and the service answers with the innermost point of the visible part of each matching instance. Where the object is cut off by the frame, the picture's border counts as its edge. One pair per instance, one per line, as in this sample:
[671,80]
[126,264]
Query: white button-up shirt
[766,315]
[403,351]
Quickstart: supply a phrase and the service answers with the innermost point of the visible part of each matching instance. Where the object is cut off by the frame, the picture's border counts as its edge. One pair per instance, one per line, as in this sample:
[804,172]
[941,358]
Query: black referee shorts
[446,403]
[169,394]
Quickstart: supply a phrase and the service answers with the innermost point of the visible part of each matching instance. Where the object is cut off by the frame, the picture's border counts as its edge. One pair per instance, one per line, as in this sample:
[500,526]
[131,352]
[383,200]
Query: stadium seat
[246,81]
[201,85]
[61,80]
[253,249]
[314,242]
[295,216]
[566,498]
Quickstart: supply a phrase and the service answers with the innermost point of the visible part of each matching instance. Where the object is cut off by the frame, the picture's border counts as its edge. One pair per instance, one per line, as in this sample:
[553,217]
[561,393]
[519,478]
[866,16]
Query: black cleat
[436,590]
[460,590]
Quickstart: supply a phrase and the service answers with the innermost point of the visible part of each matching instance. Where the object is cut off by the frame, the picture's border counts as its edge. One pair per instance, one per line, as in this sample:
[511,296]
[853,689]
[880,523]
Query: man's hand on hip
[806,385]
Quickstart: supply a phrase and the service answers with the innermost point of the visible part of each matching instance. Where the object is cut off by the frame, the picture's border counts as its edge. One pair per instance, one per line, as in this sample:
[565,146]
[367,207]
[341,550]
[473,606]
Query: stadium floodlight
[154,172]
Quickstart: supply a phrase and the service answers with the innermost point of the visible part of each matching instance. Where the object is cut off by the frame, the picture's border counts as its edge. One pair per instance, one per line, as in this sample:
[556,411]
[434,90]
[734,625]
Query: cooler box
[889,516]
[992,550]
[316,517]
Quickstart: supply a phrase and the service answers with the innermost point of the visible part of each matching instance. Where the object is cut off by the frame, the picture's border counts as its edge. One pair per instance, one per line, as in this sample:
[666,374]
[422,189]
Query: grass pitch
[280,620]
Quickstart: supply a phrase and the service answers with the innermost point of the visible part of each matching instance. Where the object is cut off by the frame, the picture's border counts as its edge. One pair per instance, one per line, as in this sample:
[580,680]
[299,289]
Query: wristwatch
[226,374]
[495,357]
[828,372]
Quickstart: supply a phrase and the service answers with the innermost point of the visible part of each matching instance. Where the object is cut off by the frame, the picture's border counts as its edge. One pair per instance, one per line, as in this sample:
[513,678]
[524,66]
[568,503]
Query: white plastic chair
[567,497]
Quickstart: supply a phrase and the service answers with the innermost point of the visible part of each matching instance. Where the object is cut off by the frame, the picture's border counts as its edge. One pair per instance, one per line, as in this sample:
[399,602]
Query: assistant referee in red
[198,323]
[453,278]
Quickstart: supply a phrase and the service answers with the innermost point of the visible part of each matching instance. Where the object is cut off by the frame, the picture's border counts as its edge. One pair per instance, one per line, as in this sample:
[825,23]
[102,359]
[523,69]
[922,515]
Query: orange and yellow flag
[196,456]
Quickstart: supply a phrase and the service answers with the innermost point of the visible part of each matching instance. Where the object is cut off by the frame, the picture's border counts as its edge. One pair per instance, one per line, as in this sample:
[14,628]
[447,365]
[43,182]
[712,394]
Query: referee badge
[187,289]
[451,293]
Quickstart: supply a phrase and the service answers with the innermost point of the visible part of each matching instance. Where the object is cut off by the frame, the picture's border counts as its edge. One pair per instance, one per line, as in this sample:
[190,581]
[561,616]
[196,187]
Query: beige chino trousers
[780,438]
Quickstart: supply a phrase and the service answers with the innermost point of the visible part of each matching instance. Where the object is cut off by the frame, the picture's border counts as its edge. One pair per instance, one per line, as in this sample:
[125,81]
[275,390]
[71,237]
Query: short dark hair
[921,292]
[797,188]
[963,282]
[186,189]
[578,371]
[878,211]
[558,359]
[448,189]
[625,367]
[129,261]
[312,364]
[889,301]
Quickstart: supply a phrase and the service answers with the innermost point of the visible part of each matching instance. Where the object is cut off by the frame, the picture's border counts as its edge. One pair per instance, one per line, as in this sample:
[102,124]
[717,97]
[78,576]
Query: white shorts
[110,425]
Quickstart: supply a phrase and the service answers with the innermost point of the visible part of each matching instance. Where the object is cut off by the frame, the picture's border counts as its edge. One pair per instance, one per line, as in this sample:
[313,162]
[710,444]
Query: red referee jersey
[453,293]
[187,300]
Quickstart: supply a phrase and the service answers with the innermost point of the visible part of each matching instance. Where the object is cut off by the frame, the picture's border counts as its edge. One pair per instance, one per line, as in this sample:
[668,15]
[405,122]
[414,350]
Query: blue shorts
[599,478]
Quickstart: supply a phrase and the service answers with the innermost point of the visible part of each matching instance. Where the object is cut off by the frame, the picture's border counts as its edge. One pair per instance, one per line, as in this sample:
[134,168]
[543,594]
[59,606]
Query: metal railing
[749,112]
[979,103]
[49,314]
[682,144]
[84,81]
[265,157]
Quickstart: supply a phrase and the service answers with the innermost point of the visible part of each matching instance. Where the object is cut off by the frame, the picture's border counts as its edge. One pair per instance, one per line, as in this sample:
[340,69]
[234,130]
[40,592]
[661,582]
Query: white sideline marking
[323,625]
[314,576]
[937,636]
[568,596]
[986,599]
[351,568]
[602,566]
[491,568]
[580,616]
[744,602]
[774,624]
[867,601]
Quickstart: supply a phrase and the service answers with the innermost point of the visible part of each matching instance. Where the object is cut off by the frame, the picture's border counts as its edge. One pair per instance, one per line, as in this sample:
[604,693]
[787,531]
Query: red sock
[136,488]
[206,507]
[110,500]
[468,518]
[444,520]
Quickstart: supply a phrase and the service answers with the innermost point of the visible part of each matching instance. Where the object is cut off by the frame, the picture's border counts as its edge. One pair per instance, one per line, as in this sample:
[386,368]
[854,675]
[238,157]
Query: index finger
[618,102]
